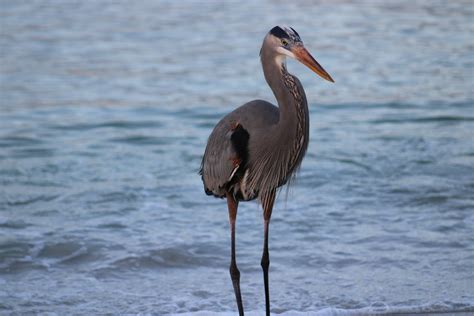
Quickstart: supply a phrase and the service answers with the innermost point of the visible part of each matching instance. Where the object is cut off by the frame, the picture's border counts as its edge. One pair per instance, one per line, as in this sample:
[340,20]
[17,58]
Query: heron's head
[282,42]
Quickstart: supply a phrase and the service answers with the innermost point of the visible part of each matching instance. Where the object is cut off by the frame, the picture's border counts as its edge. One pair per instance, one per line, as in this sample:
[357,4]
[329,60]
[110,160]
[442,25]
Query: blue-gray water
[105,108]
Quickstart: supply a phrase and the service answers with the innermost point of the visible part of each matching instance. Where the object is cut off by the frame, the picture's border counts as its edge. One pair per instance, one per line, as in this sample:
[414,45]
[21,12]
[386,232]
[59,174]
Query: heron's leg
[267,204]
[233,204]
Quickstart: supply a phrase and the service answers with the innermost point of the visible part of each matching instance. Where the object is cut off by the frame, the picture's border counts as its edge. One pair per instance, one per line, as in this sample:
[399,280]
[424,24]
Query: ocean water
[105,109]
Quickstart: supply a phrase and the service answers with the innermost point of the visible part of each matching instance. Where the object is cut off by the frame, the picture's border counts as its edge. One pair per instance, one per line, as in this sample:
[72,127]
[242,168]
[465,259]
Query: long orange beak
[305,57]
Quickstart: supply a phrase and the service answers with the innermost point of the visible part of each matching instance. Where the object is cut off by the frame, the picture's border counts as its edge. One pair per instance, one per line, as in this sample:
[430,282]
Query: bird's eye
[284,42]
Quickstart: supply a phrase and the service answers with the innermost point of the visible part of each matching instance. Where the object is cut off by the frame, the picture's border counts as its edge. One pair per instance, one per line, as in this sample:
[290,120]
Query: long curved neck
[288,92]
[293,126]
[275,73]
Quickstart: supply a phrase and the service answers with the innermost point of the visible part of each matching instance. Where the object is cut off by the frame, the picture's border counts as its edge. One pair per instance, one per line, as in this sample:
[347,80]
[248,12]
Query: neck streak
[293,126]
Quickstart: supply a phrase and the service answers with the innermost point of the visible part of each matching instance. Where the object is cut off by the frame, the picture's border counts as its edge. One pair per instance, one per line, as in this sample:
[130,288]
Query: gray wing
[227,151]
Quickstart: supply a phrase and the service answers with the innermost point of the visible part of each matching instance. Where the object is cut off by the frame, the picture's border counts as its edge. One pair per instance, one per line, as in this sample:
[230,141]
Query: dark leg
[267,203]
[232,204]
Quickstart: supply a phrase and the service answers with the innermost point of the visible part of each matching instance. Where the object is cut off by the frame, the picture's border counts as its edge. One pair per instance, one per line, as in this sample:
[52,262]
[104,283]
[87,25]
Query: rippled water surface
[105,112]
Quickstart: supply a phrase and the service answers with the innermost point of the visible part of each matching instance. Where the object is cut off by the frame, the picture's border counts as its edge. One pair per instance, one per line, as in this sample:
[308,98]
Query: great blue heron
[257,147]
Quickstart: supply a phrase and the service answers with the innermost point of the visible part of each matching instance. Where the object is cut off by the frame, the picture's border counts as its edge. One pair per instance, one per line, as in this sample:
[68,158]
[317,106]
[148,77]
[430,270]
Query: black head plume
[284,32]
[279,32]
[296,33]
